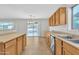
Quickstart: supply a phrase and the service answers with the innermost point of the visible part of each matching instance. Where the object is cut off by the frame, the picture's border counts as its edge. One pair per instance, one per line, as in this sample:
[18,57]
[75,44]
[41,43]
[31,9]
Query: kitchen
[22,28]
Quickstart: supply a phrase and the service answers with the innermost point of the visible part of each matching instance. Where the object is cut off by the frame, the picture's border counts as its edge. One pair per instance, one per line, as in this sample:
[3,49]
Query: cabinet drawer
[10,43]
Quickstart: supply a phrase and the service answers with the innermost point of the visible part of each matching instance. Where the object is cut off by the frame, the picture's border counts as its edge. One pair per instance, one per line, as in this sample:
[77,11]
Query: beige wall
[21,25]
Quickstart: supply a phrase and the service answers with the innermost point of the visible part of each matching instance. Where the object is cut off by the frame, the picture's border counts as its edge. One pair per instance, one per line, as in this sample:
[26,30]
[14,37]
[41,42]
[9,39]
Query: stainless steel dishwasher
[52,43]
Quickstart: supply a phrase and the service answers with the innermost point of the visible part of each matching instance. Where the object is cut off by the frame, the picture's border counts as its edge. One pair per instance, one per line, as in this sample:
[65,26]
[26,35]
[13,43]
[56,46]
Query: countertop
[8,37]
[72,32]
[68,41]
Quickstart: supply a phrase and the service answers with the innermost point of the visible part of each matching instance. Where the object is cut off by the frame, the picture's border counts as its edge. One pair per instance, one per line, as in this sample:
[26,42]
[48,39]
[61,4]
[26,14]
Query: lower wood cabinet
[48,41]
[58,46]
[64,48]
[13,46]
[24,41]
[19,45]
[69,49]
[10,47]
[65,52]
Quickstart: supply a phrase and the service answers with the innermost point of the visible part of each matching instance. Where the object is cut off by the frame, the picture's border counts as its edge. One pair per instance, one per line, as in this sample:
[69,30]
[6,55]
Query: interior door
[32,29]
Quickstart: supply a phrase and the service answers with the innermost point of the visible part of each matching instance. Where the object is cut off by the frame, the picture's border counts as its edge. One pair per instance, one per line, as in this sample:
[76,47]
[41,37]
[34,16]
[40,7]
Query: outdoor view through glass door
[32,29]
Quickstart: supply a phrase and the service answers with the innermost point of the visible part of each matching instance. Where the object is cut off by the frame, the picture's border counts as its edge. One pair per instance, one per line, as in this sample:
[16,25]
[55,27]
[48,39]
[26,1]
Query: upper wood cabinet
[54,19]
[58,18]
[62,15]
[49,21]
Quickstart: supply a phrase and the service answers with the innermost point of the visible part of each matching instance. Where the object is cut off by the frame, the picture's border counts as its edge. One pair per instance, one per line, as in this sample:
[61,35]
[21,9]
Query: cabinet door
[10,47]
[49,43]
[19,45]
[65,52]
[58,46]
[50,21]
[24,41]
[54,20]
[57,17]
[70,49]
[47,35]
[62,15]
[2,48]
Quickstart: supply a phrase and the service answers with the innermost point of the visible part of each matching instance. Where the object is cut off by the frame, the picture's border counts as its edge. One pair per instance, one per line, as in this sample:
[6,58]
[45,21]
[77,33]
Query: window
[75,17]
[6,26]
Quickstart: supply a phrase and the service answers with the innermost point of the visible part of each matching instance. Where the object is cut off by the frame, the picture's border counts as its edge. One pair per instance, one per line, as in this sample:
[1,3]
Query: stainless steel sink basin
[66,37]
[75,41]
[70,38]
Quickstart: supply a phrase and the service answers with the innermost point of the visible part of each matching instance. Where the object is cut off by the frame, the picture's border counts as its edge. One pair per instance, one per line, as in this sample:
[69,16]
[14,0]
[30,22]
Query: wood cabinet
[69,49]
[58,18]
[48,42]
[24,41]
[19,45]
[51,21]
[47,36]
[10,47]
[13,46]
[58,46]
[62,16]
[64,48]
[2,48]
[54,19]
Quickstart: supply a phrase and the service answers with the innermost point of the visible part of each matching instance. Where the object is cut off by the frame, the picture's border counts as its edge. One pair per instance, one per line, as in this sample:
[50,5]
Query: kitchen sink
[70,38]
[75,41]
[65,36]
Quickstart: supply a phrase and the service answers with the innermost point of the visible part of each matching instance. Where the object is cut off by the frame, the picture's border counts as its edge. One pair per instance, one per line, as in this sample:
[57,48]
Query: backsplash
[59,28]
[63,28]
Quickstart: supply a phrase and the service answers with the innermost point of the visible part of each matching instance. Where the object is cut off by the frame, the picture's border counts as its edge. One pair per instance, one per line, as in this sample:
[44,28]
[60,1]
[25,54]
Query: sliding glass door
[32,29]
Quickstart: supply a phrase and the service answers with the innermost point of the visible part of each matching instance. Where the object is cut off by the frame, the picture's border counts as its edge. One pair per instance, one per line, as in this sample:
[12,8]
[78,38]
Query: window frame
[72,17]
[7,25]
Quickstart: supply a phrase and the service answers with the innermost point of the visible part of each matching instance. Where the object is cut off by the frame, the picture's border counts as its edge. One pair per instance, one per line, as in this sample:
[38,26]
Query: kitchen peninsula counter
[12,44]
[8,37]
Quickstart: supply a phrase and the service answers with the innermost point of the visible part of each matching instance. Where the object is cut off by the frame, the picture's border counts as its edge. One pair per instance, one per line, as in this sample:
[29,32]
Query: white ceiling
[25,10]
